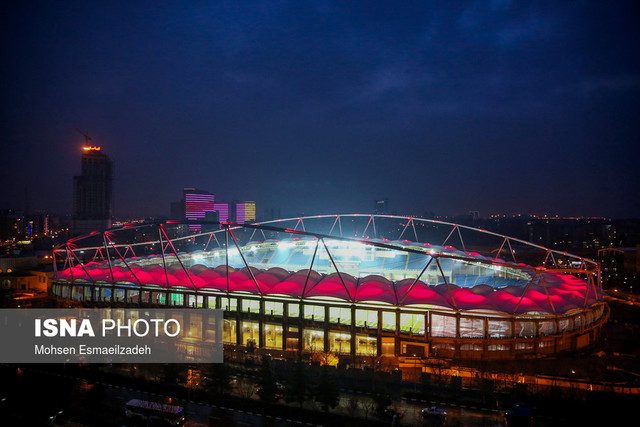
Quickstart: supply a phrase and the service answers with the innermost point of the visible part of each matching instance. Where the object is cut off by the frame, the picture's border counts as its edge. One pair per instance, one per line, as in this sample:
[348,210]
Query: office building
[244,212]
[92,192]
[197,203]
[381,207]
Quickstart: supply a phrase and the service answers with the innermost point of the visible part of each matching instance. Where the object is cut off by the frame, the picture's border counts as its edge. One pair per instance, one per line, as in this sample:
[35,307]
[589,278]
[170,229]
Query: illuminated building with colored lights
[224,211]
[197,204]
[244,212]
[356,286]
[200,205]
[92,192]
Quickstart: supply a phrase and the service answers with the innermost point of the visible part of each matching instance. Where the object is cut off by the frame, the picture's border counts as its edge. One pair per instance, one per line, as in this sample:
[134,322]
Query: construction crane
[87,147]
[87,138]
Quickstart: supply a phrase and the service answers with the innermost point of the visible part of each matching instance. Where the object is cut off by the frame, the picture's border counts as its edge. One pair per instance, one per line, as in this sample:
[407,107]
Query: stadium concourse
[355,286]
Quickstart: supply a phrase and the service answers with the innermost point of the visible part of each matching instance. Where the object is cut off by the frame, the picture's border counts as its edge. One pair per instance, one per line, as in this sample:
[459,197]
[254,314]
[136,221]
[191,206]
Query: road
[34,395]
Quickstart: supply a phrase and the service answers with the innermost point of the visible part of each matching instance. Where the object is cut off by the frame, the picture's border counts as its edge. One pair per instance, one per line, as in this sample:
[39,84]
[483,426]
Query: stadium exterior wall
[287,326]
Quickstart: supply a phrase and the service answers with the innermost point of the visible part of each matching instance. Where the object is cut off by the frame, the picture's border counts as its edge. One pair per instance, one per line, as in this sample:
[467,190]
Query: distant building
[224,211]
[16,274]
[25,281]
[16,225]
[620,267]
[197,203]
[10,264]
[381,207]
[271,214]
[11,224]
[92,192]
[244,212]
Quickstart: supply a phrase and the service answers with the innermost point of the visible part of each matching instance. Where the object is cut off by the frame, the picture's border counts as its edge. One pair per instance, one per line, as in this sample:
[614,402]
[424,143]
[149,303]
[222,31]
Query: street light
[415,372]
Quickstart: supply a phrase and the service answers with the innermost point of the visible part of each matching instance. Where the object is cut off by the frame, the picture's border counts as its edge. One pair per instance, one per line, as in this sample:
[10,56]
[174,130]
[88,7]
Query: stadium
[351,286]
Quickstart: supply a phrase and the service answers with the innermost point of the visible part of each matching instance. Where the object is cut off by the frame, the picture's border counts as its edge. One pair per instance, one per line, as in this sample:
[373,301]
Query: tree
[246,388]
[297,385]
[267,387]
[352,406]
[326,391]
[326,358]
[382,401]
[367,406]
[218,379]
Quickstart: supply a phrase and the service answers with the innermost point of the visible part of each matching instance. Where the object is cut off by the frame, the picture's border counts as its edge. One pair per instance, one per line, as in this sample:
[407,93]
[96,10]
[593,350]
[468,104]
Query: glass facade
[195,326]
[229,334]
[412,323]
[323,327]
[388,320]
[471,327]
[176,299]
[340,315]
[339,342]
[367,318]
[274,308]
[525,329]
[366,345]
[228,304]
[195,301]
[443,326]
[499,329]
[293,338]
[293,310]
[250,306]
[250,333]
[313,340]
[272,333]
[158,297]
[314,312]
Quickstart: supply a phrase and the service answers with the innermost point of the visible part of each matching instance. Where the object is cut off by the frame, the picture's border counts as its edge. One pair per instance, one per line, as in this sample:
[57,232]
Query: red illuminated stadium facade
[355,286]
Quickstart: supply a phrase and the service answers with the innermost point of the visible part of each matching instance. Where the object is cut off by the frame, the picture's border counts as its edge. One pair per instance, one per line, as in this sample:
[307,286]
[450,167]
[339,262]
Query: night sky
[322,107]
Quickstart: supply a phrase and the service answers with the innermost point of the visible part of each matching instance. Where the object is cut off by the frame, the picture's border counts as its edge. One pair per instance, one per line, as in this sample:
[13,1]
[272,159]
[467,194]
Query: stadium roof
[295,262]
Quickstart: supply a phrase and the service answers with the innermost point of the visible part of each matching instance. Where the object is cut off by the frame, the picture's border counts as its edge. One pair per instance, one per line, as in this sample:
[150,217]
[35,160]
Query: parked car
[433,412]
[279,390]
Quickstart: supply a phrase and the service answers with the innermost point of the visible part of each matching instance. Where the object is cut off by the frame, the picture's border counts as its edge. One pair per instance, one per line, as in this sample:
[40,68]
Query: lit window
[314,312]
[293,310]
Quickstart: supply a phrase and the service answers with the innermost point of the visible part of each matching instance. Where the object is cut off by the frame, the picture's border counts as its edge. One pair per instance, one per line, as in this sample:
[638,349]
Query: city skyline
[496,107]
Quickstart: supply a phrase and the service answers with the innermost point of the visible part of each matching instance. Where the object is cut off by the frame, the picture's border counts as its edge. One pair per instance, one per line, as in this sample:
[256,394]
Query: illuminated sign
[91,148]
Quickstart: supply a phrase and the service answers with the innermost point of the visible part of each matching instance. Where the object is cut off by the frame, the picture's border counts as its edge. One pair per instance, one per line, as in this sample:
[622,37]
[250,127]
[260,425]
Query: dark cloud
[496,106]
